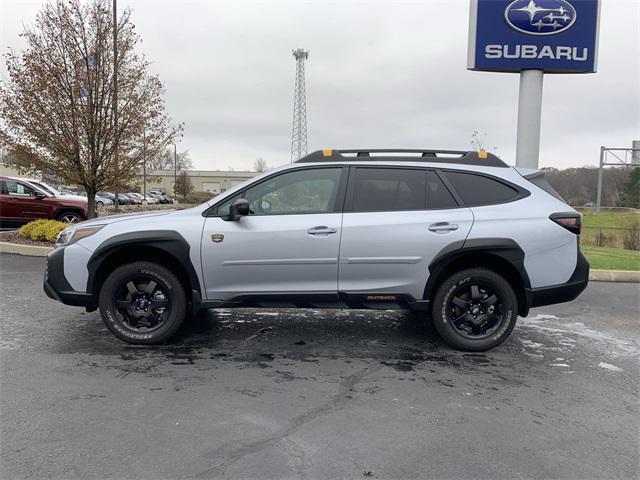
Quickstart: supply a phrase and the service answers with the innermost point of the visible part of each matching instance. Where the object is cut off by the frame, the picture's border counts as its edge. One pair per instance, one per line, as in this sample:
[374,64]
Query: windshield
[46,188]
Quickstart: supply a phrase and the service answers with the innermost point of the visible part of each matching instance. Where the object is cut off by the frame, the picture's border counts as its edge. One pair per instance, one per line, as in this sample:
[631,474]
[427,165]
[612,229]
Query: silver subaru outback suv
[460,236]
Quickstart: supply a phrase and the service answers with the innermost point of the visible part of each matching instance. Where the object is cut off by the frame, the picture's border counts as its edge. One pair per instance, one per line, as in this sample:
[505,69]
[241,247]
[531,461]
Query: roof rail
[481,158]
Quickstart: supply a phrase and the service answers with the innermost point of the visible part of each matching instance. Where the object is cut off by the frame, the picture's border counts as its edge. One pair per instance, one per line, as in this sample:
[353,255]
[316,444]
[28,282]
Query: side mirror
[239,208]
[39,195]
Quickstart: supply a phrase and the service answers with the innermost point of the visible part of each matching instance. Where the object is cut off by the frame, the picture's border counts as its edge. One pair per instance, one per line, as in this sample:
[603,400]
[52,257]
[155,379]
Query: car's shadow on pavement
[403,341]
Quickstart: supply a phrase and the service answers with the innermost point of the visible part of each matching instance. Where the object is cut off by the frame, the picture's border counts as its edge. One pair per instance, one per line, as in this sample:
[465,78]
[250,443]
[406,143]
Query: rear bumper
[564,292]
[56,285]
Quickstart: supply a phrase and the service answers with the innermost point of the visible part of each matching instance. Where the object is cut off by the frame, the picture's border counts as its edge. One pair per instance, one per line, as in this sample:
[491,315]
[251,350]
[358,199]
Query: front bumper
[56,285]
[565,292]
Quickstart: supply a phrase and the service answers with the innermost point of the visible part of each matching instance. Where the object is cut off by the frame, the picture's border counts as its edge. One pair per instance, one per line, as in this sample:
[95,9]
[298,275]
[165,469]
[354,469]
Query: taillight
[570,221]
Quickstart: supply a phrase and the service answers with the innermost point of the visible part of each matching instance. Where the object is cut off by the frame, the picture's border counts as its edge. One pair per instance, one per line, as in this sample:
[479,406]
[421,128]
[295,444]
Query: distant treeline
[579,186]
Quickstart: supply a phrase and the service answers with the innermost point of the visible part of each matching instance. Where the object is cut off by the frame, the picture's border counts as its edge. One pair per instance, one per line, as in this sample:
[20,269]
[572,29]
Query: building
[213,181]
[9,171]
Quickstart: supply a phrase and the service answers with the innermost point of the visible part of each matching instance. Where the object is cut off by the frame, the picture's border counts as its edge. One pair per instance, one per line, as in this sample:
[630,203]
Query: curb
[621,276]
[28,250]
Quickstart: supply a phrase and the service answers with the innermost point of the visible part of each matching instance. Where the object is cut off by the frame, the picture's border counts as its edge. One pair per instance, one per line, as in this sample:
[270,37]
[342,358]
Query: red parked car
[22,202]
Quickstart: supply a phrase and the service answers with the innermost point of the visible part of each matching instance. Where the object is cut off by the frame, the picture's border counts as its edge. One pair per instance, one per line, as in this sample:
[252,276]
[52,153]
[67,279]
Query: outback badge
[217,237]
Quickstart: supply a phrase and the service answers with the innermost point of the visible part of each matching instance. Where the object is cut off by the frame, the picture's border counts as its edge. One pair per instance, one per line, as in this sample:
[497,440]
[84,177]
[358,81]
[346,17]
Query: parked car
[101,200]
[161,196]
[122,199]
[22,201]
[133,200]
[461,236]
[139,196]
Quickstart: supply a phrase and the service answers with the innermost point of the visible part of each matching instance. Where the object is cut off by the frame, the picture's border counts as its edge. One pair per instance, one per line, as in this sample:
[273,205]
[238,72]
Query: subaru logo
[540,17]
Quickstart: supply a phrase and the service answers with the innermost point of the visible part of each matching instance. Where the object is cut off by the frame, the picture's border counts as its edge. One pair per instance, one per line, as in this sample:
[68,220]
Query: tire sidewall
[468,277]
[173,290]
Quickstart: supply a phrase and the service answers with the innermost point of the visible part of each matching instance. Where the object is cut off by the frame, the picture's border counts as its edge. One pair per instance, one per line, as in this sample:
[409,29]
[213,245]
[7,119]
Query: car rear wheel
[475,310]
[99,203]
[143,303]
[69,217]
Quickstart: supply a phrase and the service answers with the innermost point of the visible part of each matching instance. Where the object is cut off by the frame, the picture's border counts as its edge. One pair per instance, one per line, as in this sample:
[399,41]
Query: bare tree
[56,108]
[260,165]
[164,160]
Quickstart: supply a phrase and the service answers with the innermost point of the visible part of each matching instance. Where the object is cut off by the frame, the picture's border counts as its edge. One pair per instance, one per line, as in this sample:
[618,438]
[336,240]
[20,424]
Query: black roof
[485,159]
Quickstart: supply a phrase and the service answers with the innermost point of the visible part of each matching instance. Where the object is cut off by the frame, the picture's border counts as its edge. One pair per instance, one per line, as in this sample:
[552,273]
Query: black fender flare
[504,249]
[169,241]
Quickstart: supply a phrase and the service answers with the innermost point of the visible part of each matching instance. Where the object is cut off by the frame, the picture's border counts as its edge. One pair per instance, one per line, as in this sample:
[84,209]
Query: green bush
[42,230]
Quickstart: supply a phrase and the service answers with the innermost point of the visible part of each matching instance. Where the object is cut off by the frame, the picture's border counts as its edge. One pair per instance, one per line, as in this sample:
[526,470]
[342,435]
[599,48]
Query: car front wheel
[475,310]
[143,303]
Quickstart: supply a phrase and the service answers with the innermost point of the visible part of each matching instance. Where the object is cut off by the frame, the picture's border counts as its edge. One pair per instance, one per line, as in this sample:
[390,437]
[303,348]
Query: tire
[99,203]
[127,300]
[475,319]
[69,217]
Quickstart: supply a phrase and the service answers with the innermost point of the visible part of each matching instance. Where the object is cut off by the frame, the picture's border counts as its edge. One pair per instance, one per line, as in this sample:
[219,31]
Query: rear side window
[389,189]
[476,190]
[438,195]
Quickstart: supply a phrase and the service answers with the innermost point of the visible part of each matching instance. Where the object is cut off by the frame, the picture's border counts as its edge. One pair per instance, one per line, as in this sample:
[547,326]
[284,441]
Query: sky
[379,75]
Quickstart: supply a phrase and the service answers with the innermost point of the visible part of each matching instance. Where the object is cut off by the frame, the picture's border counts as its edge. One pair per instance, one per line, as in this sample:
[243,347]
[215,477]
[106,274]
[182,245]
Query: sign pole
[529,118]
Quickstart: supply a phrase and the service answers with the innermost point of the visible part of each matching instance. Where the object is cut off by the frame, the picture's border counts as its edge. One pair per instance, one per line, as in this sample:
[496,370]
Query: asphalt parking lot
[317,394]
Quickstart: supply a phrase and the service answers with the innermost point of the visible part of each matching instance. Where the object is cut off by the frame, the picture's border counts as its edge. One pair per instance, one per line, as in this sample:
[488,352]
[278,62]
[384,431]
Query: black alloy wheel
[475,309]
[143,302]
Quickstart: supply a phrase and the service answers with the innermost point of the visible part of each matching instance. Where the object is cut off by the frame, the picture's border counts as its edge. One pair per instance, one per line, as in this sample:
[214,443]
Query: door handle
[442,227]
[322,230]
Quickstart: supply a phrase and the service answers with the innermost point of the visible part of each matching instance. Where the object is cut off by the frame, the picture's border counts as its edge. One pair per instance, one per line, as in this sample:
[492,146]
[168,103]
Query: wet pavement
[317,394]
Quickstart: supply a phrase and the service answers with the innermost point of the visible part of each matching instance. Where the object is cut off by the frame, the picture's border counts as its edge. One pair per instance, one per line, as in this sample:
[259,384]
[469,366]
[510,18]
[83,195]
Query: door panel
[287,244]
[271,254]
[21,202]
[390,252]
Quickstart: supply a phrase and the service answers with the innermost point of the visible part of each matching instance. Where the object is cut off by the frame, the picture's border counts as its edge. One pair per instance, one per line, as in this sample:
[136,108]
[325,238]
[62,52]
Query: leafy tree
[631,190]
[56,108]
[183,186]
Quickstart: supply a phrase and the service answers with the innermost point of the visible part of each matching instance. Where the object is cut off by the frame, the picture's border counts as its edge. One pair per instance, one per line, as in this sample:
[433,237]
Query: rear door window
[389,189]
[476,190]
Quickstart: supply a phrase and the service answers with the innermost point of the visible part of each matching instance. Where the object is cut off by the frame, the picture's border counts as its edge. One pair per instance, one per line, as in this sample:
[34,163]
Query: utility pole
[115,99]
[299,130]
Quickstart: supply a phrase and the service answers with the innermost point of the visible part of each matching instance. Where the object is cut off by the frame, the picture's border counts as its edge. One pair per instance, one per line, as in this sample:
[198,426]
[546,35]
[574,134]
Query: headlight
[73,234]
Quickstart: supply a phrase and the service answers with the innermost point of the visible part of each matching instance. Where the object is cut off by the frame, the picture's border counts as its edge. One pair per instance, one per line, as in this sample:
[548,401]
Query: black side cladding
[503,249]
[56,285]
[168,241]
[564,292]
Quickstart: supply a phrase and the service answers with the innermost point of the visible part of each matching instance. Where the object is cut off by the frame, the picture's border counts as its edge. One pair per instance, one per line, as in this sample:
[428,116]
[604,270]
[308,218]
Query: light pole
[144,166]
[115,96]
[175,172]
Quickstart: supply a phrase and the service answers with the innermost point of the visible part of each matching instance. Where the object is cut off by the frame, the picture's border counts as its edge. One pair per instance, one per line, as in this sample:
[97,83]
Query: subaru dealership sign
[555,36]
